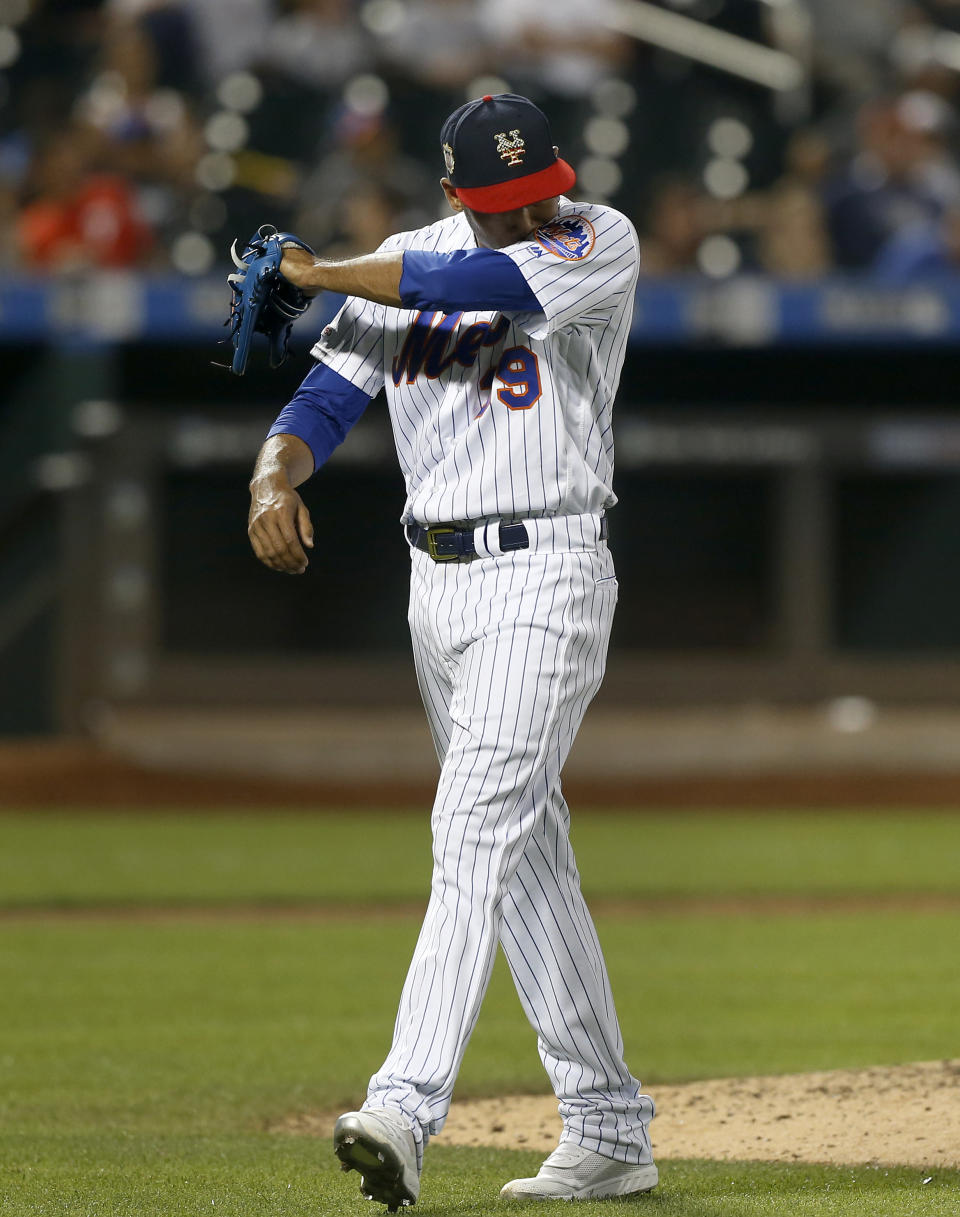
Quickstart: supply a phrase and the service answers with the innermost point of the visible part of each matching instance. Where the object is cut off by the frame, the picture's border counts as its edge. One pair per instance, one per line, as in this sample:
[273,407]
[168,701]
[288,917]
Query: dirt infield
[55,774]
[906,1115]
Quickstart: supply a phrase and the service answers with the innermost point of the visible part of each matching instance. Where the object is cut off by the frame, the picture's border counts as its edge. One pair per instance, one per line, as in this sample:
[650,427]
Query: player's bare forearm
[279,525]
[373,277]
[283,456]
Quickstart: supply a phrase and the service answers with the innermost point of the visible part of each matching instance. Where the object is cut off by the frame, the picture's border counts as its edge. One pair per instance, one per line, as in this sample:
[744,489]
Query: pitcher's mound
[905,1115]
[902,1115]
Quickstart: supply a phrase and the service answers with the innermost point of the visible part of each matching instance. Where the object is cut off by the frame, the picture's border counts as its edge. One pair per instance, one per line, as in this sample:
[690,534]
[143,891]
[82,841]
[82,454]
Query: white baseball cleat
[574,1173]
[380,1145]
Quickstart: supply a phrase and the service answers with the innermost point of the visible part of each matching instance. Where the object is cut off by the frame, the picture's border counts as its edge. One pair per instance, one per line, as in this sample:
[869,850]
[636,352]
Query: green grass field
[143,1058]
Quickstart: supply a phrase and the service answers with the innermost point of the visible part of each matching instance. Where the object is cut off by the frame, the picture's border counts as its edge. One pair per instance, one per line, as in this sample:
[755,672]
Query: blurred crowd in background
[150,133]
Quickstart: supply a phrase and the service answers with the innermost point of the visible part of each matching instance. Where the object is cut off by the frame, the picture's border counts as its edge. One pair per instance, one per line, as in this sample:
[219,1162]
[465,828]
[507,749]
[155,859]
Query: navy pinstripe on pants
[509,652]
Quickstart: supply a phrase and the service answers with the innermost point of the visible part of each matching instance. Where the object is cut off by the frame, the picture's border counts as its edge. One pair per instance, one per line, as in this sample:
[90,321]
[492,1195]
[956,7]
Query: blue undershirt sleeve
[321,412]
[467,280]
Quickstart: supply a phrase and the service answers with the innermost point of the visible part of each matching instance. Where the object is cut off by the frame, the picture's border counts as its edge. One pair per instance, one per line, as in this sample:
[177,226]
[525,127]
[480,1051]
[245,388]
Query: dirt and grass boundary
[901,1115]
[77,775]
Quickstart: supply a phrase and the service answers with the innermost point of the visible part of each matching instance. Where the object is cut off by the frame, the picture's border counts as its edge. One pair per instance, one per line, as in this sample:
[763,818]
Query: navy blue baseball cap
[500,156]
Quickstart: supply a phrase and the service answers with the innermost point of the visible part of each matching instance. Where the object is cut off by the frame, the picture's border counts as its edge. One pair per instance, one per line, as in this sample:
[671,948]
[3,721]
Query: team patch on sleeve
[570,237]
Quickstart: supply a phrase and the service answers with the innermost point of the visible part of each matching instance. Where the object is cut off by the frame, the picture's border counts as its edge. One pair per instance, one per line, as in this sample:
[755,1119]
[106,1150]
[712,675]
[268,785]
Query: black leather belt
[448,543]
[445,543]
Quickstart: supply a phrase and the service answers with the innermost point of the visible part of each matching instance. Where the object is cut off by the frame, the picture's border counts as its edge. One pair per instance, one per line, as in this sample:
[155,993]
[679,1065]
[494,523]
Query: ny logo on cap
[511,147]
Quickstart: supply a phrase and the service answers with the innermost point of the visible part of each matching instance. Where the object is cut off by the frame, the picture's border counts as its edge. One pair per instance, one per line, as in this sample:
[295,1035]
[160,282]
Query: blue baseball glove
[264,302]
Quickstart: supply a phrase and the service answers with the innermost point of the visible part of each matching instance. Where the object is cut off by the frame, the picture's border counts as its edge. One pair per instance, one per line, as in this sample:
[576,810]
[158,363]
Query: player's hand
[279,526]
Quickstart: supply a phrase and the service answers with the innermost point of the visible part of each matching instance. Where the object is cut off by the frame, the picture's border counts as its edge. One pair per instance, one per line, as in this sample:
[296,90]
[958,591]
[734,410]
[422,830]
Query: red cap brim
[521,192]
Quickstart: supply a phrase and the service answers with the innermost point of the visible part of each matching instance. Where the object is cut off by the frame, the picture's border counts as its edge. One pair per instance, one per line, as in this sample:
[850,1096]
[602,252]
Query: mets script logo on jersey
[571,237]
[425,347]
[511,147]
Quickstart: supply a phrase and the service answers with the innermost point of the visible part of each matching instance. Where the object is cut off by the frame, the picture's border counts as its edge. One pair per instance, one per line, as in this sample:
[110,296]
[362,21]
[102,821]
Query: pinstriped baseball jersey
[503,415]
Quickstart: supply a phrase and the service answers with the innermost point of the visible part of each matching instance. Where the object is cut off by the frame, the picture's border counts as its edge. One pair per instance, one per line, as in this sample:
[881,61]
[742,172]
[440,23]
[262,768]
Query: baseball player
[499,336]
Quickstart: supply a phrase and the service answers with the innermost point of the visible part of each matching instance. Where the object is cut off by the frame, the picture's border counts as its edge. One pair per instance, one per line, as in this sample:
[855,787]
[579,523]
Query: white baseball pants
[509,652]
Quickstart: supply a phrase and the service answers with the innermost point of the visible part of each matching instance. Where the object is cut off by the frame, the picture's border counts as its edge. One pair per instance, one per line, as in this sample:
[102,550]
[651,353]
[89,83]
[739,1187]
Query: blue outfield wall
[746,311]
